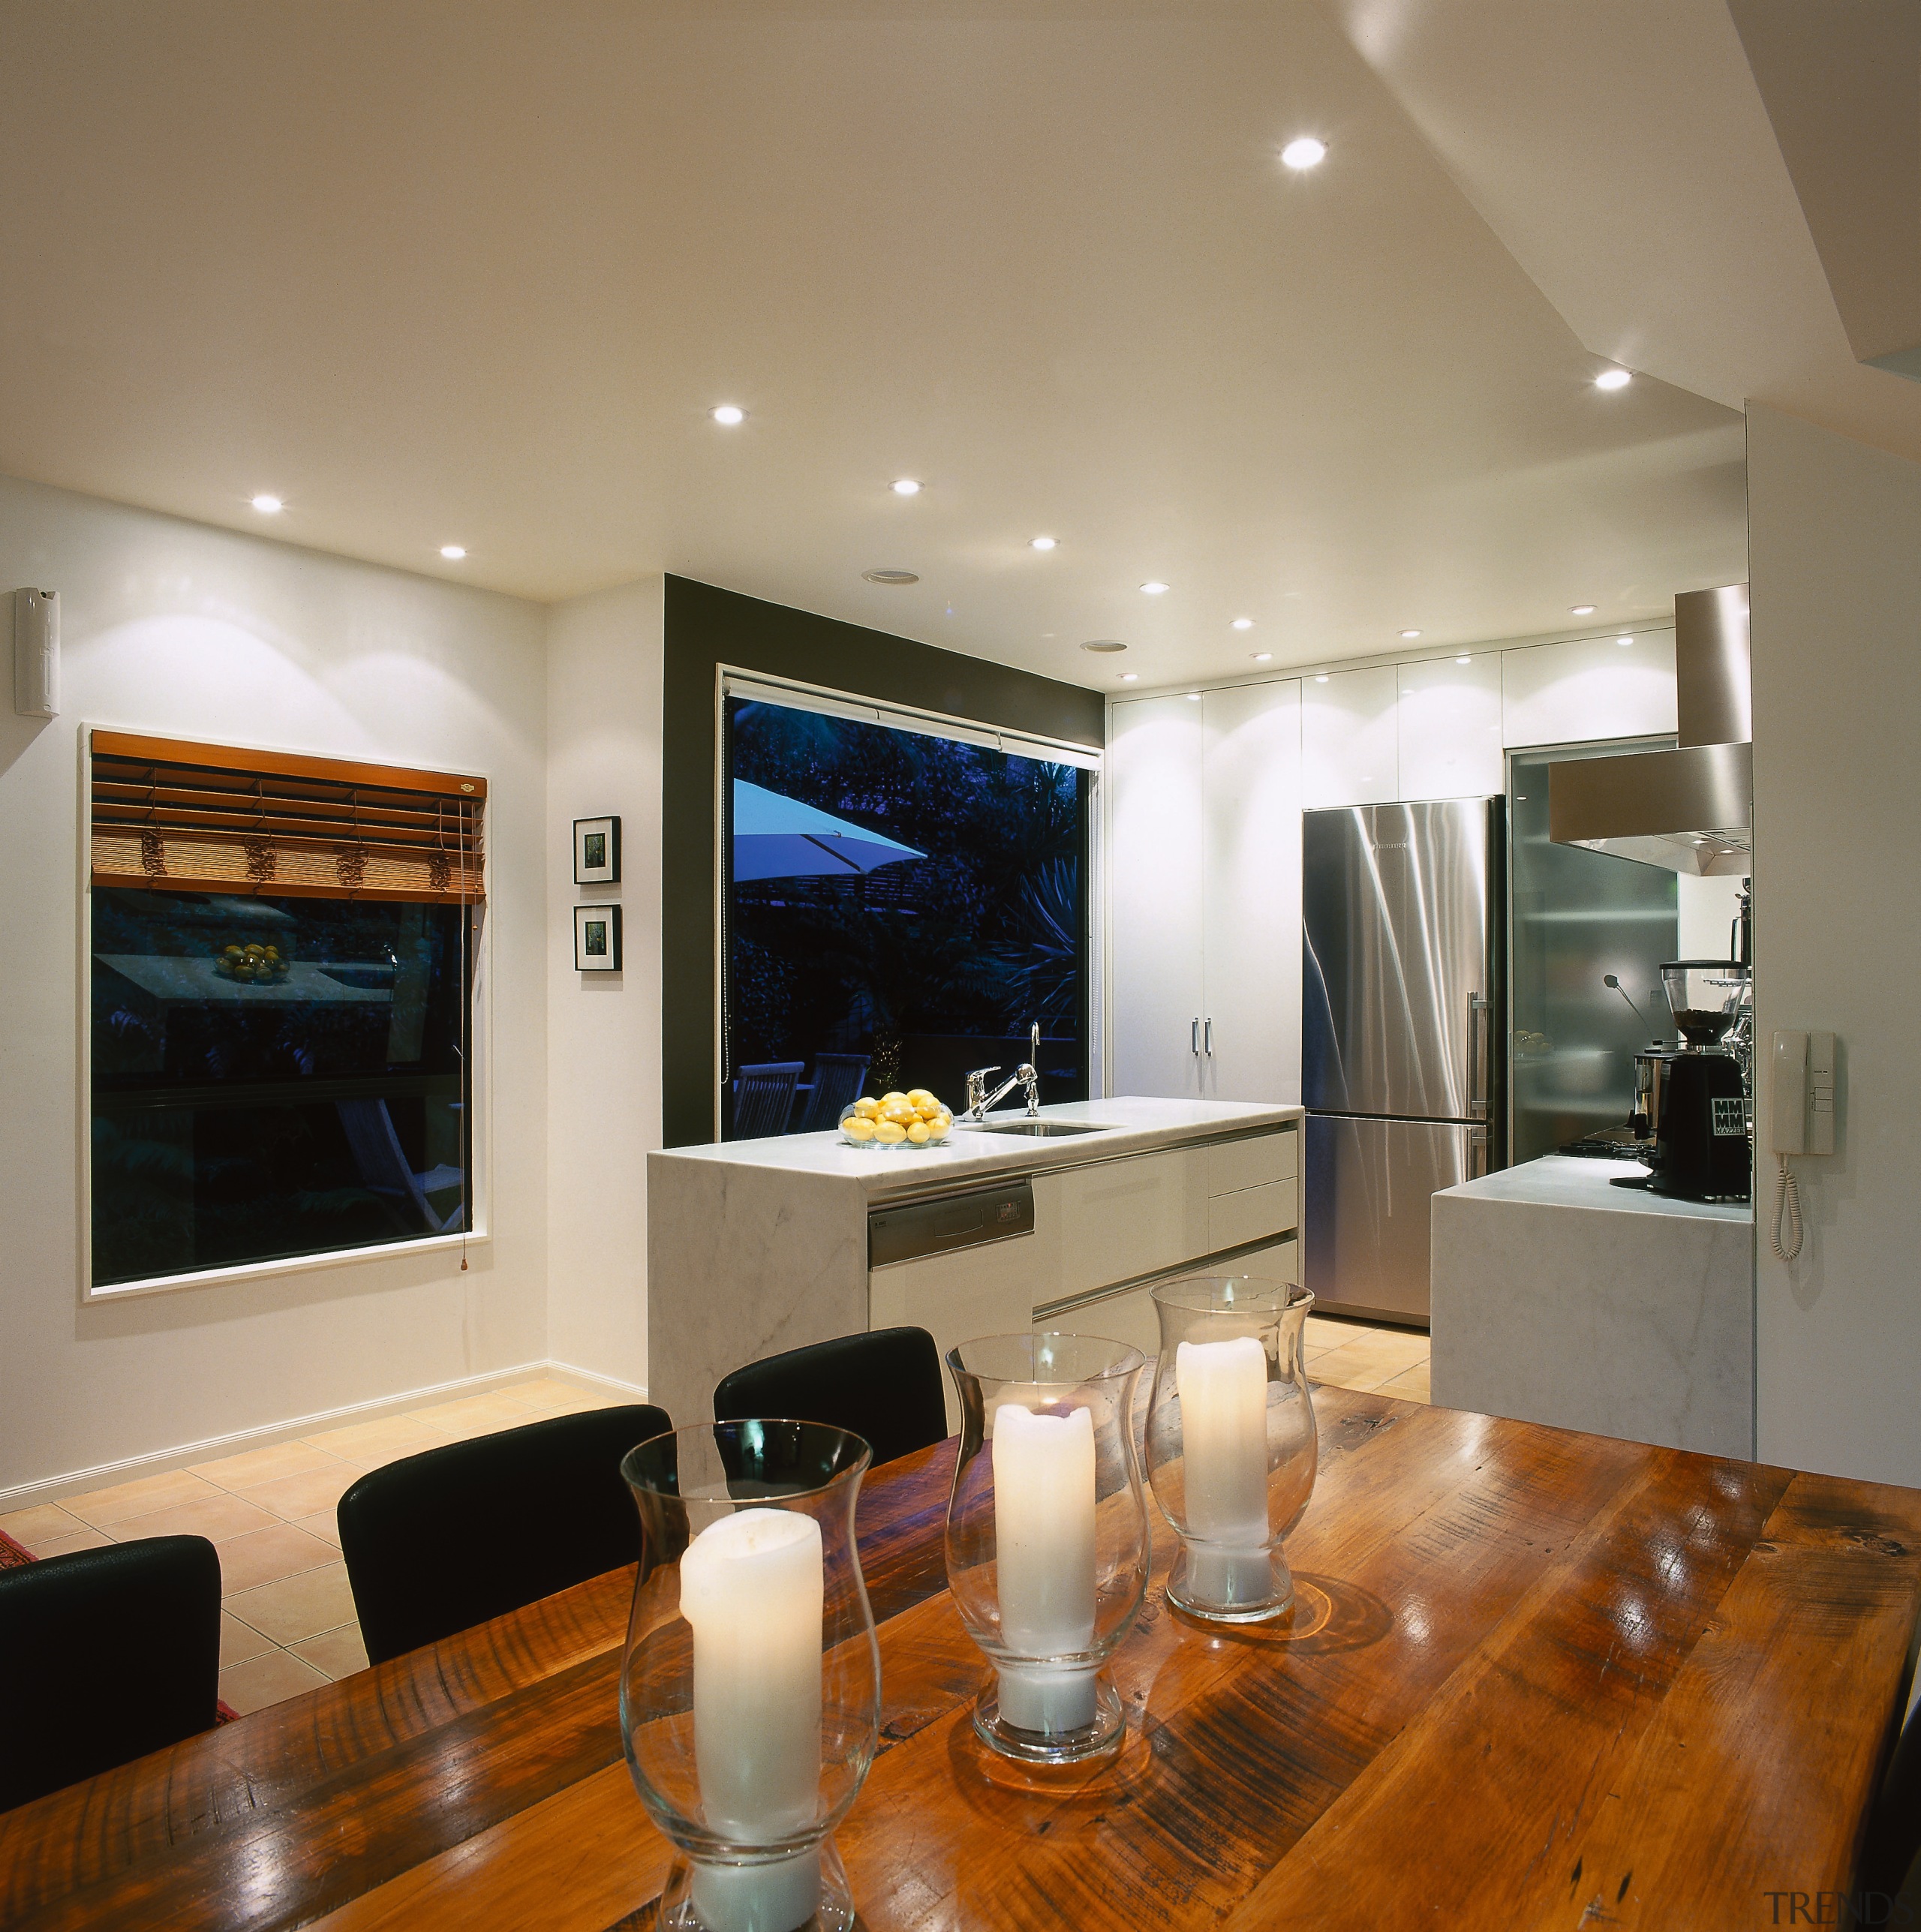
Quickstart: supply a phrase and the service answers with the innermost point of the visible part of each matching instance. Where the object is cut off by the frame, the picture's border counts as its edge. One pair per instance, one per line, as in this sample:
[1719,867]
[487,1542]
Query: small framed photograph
[596,851]
[597,938]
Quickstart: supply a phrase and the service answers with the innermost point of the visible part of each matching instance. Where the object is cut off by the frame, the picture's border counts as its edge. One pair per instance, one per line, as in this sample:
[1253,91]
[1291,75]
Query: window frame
[480,1132]
[737,681]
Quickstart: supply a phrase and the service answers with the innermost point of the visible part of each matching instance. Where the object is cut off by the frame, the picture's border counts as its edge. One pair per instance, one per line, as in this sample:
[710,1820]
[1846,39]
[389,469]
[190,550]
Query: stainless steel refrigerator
[1403,1035]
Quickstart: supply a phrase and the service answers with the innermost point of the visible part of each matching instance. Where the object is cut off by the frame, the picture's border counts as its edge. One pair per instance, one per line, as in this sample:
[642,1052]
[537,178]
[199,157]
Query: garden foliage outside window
[927,907]
[283,955]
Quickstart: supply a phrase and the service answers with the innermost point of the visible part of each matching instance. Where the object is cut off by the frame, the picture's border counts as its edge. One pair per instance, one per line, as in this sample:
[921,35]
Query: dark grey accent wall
[706,627]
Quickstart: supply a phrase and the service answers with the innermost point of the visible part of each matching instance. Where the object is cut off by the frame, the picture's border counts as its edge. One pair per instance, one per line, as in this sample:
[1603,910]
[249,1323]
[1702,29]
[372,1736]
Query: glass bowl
[935,1126]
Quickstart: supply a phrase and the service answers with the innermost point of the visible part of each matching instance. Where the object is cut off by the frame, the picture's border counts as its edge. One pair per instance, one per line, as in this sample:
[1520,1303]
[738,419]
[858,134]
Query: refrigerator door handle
[1208,1035]
[1193,1037]
[1477,1155]
[1480,1010]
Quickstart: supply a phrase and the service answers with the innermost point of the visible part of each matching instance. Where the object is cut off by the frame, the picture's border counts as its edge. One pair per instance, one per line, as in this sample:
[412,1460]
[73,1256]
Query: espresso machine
[1693,1117]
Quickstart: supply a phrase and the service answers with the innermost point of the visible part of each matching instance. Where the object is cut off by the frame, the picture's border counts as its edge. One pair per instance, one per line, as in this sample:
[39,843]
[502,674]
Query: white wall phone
[1800,1121]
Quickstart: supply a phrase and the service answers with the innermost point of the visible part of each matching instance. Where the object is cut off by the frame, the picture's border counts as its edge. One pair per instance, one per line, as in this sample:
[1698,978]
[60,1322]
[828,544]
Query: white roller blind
[833,704]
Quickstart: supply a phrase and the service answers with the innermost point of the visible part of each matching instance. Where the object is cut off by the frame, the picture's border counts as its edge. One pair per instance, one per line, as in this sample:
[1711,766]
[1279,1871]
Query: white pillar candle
[753,1586]
[1044,1551]
[1223,1391]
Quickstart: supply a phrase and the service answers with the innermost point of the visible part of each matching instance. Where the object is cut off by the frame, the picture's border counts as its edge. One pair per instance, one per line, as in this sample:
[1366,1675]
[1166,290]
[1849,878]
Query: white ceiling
[449,272]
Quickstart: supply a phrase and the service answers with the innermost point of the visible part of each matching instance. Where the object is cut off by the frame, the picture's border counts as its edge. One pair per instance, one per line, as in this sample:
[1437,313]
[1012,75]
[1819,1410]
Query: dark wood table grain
[1534,1678]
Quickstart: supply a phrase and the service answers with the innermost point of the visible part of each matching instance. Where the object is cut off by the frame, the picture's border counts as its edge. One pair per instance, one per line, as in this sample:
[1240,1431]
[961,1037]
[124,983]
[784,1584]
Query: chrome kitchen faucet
[979,1100]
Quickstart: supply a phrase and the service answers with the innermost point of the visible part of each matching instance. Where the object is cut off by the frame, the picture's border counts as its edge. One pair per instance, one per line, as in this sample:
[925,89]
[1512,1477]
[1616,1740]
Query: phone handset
[1801,1121]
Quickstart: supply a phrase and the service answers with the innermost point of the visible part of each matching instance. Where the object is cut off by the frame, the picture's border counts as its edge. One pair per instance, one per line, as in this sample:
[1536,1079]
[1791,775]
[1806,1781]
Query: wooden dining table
[1531,1678]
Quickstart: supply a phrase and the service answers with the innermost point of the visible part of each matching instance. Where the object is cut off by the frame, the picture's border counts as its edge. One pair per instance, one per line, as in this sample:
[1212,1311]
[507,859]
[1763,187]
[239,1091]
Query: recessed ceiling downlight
[1153,587]
[268,506]
[1106,644]
[905,486]
[1304,152]
[1410,633]
[891,576]
[1580,610]
[453,552]
[1264,657]
[1043,543]
[1242,624]
[1130,676]
[728,414]
[1612,379]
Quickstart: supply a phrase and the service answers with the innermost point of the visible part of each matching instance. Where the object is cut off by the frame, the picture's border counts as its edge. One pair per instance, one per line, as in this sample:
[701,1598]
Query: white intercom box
[37,653]
[1801,1094]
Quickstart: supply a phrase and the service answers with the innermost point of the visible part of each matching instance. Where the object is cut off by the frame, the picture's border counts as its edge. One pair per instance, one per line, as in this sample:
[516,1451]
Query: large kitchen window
[904,901]
[283,955]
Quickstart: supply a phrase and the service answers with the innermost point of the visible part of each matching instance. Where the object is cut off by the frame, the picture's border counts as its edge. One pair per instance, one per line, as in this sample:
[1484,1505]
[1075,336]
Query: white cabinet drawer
[1250,1214]
[1129,1316]
[1226,1167]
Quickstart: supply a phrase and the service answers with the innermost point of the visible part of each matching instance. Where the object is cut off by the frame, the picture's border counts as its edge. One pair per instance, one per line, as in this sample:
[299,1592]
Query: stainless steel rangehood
[1687,809]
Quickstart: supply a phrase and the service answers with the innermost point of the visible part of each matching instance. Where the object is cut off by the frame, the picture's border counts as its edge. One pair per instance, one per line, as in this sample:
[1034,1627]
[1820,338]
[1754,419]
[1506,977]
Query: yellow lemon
[867,1108]
[858,1128]
[917,1134]
[935,1129]
[888,1098]
[890,1133]
[919,1095]
[928,1109]
[900,1110]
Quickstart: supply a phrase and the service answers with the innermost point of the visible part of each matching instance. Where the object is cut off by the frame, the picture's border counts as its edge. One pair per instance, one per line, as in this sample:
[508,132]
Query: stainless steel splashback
[1399,967]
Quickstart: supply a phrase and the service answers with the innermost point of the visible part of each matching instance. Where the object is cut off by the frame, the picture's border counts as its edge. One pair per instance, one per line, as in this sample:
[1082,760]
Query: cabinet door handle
[1193,1037]
[1208,1036]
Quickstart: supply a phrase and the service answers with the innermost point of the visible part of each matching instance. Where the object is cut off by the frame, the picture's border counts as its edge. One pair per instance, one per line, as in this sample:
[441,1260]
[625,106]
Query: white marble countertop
[1574,1180]
[967,1153]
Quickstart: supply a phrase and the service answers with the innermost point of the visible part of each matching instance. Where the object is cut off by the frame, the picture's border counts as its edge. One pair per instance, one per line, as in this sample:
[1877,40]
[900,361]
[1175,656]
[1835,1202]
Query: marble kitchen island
[1560,1298]
[756,1246]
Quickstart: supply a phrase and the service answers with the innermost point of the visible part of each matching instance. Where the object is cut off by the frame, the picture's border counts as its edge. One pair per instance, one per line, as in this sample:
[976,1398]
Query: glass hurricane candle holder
[1046,1536]
[750,1686]
[1231,1448]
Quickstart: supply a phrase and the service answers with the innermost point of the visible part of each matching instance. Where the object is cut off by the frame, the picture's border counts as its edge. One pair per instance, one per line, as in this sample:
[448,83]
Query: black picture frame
[599,841]
[597,938]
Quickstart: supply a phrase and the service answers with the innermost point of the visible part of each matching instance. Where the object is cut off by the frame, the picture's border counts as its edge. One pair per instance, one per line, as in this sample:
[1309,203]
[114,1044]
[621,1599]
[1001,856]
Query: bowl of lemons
[251,965]
[897,1120]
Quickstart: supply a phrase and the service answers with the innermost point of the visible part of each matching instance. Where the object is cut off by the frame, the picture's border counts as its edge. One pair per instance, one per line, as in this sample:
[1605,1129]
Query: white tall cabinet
[1203,900]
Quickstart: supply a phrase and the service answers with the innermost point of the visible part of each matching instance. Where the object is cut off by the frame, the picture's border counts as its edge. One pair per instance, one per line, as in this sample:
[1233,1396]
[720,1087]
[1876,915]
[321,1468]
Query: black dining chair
[763,1098]
[439,1542]
[105,1655]
[884,1385]
[837,1080]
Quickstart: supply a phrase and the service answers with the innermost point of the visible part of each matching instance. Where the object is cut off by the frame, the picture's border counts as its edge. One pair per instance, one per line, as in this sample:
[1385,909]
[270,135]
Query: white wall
[603,746]
[1835,546]
[177,629]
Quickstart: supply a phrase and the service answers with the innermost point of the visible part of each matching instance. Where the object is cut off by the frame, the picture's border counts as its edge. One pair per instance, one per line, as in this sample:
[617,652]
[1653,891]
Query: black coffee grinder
[1695,1100]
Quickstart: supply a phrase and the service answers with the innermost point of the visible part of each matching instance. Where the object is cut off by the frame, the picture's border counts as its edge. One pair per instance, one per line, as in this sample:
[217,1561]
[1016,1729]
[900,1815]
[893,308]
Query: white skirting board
[78,1482]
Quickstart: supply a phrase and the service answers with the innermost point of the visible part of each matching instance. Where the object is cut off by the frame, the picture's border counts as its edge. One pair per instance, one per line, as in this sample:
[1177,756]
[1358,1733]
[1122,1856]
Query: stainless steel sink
[1041,1130]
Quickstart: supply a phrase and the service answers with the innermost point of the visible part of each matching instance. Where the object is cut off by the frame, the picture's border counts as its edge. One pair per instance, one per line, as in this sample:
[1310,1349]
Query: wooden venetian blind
[173,816]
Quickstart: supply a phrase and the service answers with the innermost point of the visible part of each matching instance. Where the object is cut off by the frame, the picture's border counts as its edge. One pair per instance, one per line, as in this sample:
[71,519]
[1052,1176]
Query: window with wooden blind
[283,959]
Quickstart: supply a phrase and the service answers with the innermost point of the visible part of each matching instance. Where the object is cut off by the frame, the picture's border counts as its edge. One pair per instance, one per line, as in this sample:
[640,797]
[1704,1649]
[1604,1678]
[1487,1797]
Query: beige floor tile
[103,1508]
[253,1467]
[324,1525]
[1327,1331]
[370,1443]
[337,1653]
[1411,1384]
[269,1678]
[473,1414]
[1349,1368]
[218,1517]
[42,1519]
[81,1537]
[239,1641]
[293,1497]
[266,1556]
[298,1607]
